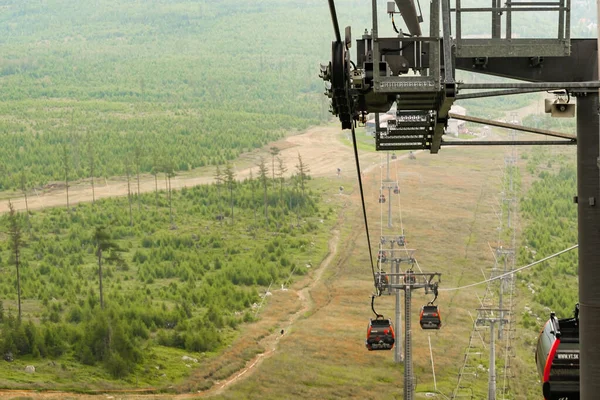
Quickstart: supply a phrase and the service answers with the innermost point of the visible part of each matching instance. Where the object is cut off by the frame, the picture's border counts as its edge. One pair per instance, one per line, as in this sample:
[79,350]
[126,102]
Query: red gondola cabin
[380,334]
[430,317]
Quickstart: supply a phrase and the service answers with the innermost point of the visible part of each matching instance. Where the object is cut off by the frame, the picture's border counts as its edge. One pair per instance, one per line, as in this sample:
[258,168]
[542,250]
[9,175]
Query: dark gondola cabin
[409,278]
[382,280]
[396,190]
[557,358]
[430,317]
[381,198]
[380,334]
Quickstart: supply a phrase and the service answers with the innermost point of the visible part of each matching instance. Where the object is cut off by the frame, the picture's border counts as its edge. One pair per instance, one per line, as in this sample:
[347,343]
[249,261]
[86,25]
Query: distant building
[383,119]
[456,126]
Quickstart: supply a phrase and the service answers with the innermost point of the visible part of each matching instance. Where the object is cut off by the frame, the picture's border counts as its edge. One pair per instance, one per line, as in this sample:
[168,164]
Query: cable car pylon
[392,240]
[409,281]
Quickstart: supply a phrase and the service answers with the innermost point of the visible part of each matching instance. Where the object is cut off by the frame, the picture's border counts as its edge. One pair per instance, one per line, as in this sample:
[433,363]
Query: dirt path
[320,148]
[269,342]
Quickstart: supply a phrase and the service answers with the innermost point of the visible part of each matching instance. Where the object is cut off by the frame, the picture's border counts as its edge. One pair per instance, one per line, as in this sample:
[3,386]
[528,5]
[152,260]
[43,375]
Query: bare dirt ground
[319,147]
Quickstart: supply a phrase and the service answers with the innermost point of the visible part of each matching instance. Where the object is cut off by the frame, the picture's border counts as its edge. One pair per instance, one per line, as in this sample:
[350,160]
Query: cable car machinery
[379,78]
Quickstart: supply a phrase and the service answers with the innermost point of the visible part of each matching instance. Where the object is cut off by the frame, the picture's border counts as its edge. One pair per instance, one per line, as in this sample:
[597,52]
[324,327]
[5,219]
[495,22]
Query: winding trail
[269,342]
[321,150]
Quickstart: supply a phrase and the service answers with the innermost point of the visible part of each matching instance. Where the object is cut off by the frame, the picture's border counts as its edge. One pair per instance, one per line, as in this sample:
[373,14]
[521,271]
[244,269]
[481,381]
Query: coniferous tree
[24,187]
[274,152]
[137,159]
[129,200]
[16,244]
[219,180]
[155,171]
[302,173]
[4,176]
[104,244]
[262,175]
[252,189]
[229,175]
[67,168]
[170,174]
[281,170]
[92,165]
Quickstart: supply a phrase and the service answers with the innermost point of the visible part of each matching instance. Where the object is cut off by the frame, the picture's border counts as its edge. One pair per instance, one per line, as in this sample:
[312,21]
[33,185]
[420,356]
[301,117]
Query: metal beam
[513,48]
[513,126]
[588,216]
[507,142]
[581,65]
[494,93]
[536,85]
[409,15]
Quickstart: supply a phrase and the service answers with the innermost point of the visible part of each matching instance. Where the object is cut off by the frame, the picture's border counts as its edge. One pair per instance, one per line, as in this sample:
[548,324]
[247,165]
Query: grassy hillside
[182,286]
[89,86]
[182,83]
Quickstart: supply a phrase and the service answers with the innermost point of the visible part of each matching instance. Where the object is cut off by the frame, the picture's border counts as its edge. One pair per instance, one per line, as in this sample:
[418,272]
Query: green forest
[113,293]
[117,283]
[190,83]
[181,84]
[551,226]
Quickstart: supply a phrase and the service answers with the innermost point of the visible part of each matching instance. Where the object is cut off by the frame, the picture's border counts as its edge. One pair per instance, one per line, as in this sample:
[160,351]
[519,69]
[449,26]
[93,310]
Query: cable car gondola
[381,281]
[382,198]
[430,317]
[394,156]
[557,357]
[396,190]
[380,332]
[409,278]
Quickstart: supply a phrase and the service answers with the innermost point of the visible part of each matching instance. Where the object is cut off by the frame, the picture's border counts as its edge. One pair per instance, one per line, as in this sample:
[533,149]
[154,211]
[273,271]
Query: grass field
[448,216]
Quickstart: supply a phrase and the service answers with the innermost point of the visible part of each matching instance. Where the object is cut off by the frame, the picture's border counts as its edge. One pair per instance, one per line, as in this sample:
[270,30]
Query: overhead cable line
[399,194]
[513,271]
[362,199]
[381,194]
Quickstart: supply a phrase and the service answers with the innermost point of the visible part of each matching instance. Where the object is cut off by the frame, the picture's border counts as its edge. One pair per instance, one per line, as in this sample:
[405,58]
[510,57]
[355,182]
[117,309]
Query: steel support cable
[400,211]
[513,271]
[380,247]
[334,20]
[512,190]
[418,266]
[467,361]
[470,346]
[364,208]
[381,194]
[399,194]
